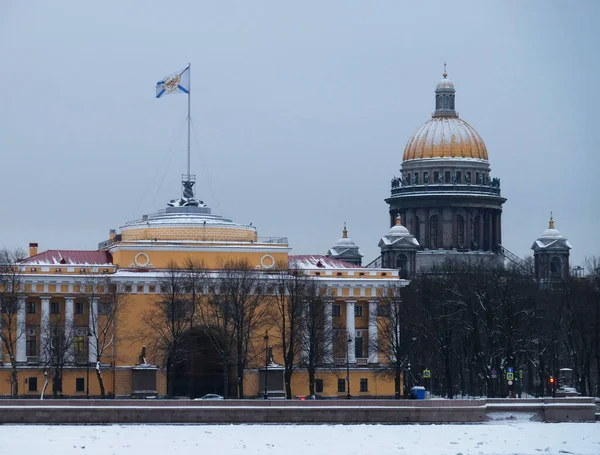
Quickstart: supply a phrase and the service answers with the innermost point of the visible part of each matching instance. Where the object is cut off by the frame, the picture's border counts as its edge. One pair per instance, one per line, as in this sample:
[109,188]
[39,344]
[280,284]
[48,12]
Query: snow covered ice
[495,438]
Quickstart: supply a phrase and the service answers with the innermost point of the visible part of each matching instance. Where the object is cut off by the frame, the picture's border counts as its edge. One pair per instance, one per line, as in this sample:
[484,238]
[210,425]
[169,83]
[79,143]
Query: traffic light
[551,379]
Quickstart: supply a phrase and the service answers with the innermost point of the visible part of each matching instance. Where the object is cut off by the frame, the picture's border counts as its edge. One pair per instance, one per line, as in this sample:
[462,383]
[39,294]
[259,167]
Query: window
[341,385]
[81,270]
[416,178]
[458,177]
[152,288]
[140,288]
[468,177]
[79,346]
[58,270]
[477,178]
[319,385]
[78,307]
[433,232]
[336,310]
[33,269]
[79,384]
[104,308]
[31,346]
[364,385]
[32,382]
[417,228]
[358,311]
[54,308]
[436,176]
[127,288]
[425,177]
[30,307]
[408,179]
[359,348]
[460,231]
[401,265]
[555,267]
[447,177]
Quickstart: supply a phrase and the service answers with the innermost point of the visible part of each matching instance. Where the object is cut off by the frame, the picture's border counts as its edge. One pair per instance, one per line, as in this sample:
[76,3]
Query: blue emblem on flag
[178,82]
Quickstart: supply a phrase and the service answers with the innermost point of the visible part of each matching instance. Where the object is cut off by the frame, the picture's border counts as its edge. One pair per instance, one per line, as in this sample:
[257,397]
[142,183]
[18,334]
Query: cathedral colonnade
[461,228]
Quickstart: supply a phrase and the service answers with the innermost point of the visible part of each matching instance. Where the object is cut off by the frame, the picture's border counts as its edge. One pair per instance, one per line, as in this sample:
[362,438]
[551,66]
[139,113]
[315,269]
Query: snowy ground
[516,437]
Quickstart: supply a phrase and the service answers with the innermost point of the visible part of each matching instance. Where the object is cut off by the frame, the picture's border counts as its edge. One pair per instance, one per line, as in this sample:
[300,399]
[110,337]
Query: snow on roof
[70,257]
[318,261]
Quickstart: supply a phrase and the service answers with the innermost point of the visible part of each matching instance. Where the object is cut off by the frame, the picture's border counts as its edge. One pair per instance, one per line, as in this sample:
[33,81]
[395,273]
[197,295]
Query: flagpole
[189,122]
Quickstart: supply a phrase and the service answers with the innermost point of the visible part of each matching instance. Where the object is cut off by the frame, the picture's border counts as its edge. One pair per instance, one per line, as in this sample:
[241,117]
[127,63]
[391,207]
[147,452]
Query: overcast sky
[301,111]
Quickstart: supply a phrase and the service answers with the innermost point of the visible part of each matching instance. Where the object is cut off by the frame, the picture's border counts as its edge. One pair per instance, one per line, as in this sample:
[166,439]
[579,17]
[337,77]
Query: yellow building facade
[67,289]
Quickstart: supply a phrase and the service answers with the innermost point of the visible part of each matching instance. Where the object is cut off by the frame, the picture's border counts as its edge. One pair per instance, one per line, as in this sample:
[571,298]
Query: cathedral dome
[445,135]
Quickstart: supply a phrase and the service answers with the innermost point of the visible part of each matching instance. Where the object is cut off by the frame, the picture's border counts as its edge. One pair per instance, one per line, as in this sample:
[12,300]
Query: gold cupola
[445,135]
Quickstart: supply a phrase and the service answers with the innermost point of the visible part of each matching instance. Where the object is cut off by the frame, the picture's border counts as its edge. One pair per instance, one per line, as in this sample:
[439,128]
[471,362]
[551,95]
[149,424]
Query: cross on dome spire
[345,232]
[551,223]
[398,221]
[445,74]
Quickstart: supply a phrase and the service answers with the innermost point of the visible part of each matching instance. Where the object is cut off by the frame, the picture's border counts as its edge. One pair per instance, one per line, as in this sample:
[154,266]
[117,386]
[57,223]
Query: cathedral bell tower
[551,255]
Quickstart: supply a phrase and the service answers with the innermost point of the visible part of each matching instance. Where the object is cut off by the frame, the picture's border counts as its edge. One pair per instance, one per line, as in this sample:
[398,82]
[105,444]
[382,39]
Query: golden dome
[445,137]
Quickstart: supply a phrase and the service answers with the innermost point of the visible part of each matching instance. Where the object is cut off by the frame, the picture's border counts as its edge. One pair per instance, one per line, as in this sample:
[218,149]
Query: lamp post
[348,396]
[87,369]
[266,338]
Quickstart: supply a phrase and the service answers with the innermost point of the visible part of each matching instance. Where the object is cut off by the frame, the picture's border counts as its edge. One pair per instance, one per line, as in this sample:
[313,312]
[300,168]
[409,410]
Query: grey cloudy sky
[301,112]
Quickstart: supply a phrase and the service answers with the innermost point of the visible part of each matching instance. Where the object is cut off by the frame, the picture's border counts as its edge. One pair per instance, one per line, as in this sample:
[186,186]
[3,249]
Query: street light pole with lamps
[348,395]
[266,338]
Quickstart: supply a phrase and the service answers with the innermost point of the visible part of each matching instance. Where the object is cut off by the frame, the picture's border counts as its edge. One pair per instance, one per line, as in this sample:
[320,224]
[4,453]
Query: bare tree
[234,313]
[316,334]
[107,303]
[292,289]
[12,316]
[55,353]
[169,321]
[394,332]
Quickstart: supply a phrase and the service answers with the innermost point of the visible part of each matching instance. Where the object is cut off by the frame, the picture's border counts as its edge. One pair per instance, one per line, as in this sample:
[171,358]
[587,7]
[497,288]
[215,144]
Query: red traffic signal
[551,380]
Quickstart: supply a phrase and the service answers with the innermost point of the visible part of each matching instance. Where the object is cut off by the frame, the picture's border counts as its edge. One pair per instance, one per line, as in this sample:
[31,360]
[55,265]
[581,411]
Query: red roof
[70,257]
[319,261]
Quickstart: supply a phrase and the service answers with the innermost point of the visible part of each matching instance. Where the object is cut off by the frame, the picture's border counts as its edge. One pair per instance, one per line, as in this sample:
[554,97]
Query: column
[328,348]
[69,301]
[499,218]
[454,232]
[93,324]
[350,331]
[480,214]
[302,336]
[491,245]
[426,236]
[44,328]
[21,332]
[468,234]
[373,336]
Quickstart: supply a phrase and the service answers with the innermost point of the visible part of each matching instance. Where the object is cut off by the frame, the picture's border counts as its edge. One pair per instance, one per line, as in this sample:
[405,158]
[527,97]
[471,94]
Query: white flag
[178,82]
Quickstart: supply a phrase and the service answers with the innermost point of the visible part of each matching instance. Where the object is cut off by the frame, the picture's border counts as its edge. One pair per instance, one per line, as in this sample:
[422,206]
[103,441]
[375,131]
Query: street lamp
[266,338]
[87,369]
[348,396]
[578,271]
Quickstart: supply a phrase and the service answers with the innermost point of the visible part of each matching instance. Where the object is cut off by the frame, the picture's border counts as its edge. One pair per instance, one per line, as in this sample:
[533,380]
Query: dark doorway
[201,370]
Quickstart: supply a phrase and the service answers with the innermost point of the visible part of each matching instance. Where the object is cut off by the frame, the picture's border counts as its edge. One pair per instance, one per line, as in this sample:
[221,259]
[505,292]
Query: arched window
[475,231]
[402,265]
[556,267]
[433,232]
[460,231]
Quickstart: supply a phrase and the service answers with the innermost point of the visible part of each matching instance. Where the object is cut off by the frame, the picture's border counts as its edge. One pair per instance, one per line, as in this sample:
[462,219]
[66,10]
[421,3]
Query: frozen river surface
[483,439]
